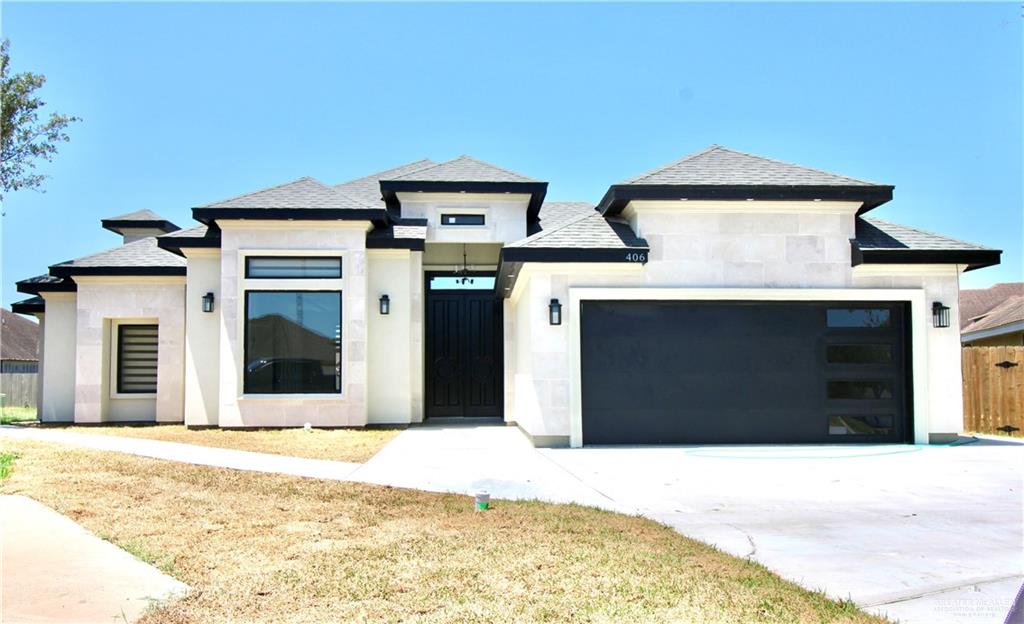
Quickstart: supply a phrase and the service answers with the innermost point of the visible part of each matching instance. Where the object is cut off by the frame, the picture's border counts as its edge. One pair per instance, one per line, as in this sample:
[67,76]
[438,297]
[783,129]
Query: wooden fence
[993,389]
[19,389]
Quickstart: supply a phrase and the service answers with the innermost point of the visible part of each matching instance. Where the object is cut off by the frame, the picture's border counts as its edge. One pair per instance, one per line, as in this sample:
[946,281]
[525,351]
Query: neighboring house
[722,298]
[992,317]
[19,339]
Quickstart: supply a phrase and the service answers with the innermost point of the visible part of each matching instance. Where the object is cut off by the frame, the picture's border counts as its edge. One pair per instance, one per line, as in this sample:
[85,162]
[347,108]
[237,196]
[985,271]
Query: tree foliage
[24,140]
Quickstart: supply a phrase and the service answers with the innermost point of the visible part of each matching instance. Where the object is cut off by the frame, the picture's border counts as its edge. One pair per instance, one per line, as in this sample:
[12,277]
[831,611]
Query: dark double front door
[463,352]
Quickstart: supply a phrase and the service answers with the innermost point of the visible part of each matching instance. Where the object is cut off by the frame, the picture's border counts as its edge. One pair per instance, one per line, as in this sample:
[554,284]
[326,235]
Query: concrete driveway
[919,533]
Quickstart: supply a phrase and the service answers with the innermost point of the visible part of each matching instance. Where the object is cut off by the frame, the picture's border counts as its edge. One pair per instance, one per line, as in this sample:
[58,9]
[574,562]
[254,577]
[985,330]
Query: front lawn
[350,445]
[268,548]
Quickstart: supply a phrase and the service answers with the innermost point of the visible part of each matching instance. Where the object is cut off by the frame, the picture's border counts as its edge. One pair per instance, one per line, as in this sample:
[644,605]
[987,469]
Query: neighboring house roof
[32,305]
[367,188]
[718,172]
[139,219]
[142,257]
[1008,316]
[19,337]
[879,241]
[463,169]
[45,283]
[305,198]
[975,302]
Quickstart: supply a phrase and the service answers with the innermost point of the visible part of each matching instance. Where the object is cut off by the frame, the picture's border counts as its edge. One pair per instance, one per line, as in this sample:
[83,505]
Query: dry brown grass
[350,445]
[268,548]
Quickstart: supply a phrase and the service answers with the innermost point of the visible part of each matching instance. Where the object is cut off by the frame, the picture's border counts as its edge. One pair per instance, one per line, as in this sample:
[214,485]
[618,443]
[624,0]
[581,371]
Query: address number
[636,256]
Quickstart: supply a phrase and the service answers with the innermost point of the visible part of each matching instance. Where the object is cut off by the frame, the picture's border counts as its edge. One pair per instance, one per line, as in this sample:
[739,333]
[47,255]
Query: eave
[536,190]
[619,195]
[512,259]
[972,258]
[210,215]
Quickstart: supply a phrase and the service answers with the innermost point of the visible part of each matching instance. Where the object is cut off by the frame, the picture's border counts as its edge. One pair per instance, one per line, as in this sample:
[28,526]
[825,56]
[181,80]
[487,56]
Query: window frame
[247,275]
[455,215]
[340,392]
[115,359]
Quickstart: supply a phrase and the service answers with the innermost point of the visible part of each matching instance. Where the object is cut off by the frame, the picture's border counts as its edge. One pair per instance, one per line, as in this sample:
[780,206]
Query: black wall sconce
[385,304]
[208,302]
[555,312]
[940,314]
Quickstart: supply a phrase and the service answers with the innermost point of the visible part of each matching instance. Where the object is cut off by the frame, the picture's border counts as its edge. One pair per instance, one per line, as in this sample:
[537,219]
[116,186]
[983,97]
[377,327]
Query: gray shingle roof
[585,231]
[302,193]
[1009,311]
[367,188]
[140,254]
[717,165]
[192,232]
[41,280]
[463,169]
[875,234]
[556,213]
[139,215]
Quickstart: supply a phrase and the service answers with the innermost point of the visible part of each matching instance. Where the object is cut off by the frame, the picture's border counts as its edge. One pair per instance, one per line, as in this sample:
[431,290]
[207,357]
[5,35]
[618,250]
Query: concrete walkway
[927,534]
[55,571]
[189,453]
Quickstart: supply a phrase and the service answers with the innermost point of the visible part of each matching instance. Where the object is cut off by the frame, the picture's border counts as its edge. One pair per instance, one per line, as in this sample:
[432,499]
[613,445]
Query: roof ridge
[557,228]
[498,167]
[874,220]
[264,190]
[469,158]
[675,162]
[792,164]
[380,175]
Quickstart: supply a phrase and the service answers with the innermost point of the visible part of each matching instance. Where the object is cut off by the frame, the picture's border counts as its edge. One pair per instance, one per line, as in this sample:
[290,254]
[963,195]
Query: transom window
[462,219]
[292,342]
[859,317]
[137,347]
[284,267]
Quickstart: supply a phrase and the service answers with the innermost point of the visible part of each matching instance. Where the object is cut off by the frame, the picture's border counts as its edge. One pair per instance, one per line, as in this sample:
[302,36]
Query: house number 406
[636,256]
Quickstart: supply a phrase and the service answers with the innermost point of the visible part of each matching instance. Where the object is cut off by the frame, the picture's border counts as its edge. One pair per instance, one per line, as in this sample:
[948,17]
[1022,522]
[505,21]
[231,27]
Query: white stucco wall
[202,339]
[394,341]
[102,303]
[334,238]
[740,245]
[40,351]
[58,365]
[504,215]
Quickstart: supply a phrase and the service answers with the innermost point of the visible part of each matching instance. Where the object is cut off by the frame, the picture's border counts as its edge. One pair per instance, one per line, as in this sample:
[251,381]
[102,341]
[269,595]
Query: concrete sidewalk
[55,571]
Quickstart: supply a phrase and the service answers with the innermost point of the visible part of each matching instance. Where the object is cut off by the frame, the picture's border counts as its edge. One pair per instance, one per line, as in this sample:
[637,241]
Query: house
[721,298]
[19,360]
[992,317]
[18,343]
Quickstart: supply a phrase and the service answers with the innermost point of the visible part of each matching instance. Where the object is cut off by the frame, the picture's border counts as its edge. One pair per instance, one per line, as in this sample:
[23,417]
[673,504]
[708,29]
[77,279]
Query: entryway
[463,346]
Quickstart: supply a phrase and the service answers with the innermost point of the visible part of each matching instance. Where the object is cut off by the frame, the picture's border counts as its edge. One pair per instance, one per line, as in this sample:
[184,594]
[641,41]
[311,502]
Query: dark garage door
[668,372]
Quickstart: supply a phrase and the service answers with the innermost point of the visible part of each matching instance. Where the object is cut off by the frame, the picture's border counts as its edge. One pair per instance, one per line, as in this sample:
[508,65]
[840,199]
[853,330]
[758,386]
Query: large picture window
[292,342]
[137,358]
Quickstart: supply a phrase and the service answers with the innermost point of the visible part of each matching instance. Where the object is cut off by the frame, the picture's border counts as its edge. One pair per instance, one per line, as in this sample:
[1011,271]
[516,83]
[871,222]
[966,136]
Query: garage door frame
[916,323]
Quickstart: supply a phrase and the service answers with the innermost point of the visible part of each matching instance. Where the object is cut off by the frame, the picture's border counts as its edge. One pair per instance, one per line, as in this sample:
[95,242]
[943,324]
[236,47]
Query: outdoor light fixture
[940,314]
[385,304]
[555,312]
[208,302]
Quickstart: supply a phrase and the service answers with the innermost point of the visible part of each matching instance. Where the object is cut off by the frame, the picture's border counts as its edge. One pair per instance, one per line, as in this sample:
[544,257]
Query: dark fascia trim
[175,244]
[34,288]
[114,225]
[71,271]
[619,195]
[412,244]
[209,215]
[536,190]
[28,306]
[511,260]
[973,258]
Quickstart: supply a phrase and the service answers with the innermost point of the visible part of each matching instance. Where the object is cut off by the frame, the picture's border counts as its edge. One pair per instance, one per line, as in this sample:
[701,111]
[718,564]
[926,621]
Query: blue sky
[187,103]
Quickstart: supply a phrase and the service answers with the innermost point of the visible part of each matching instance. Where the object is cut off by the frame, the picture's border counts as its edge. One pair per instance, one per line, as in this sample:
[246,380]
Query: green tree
[24,140]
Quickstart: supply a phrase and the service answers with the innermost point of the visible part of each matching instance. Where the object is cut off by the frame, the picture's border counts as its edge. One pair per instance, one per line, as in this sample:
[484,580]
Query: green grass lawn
[10,415]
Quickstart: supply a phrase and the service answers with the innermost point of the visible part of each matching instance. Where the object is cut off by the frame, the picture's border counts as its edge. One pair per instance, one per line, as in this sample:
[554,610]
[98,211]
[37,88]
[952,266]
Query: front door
[463,347]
